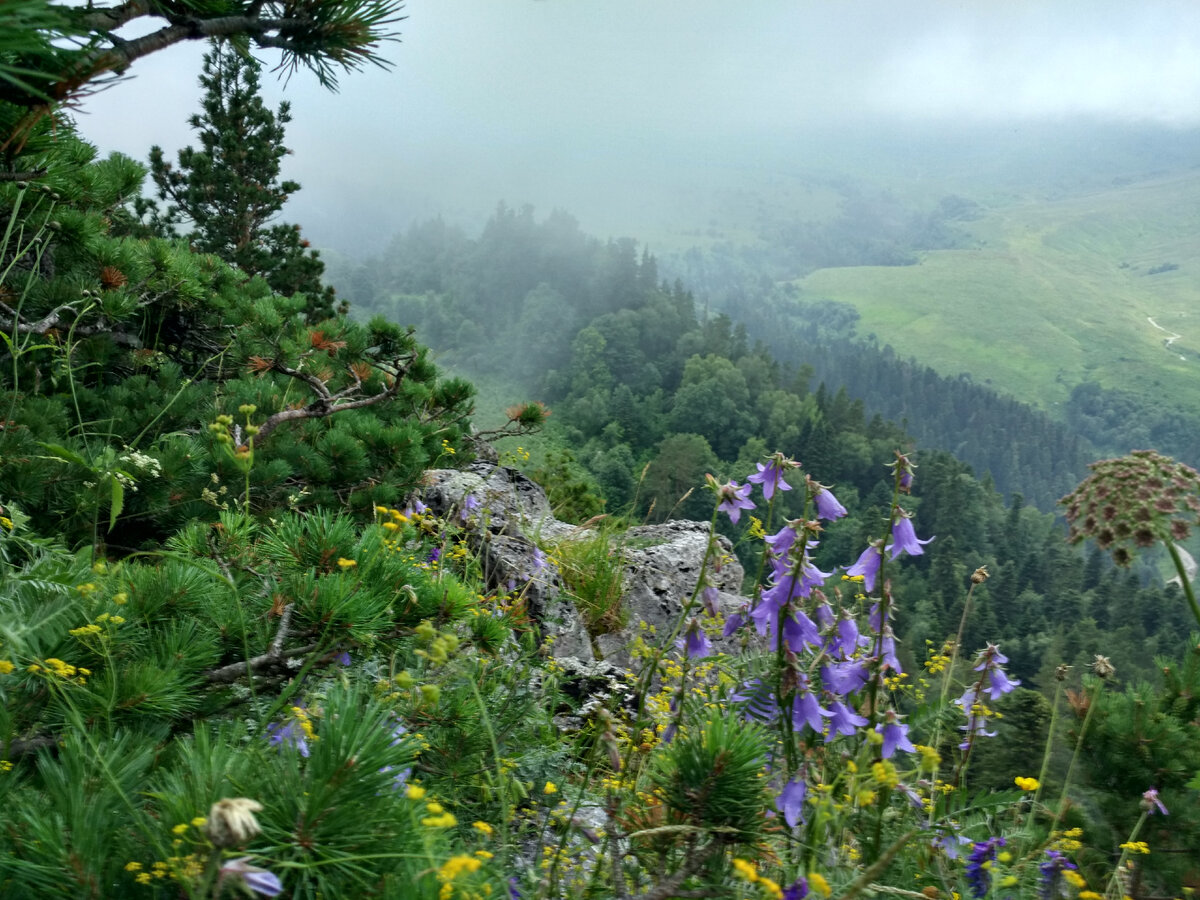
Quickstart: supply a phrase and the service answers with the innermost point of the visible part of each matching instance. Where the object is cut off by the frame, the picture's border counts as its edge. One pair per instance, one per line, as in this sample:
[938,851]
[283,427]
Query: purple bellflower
[895,735]
[843,720]
[258,880]
[887,651]
[1152,804]
[823,612]
[709,597]
[734,498]
[694,641]
[734,622]
[289,734]
[806,710]
[949,843]
[828,507]
[770,476]
[781,541]
[470,505]
[766,613]
[868,566]
[797,890]
[995,681]
[904,537]
[846,677]
[976,720]
[800,631]
[790,801]
[847,635]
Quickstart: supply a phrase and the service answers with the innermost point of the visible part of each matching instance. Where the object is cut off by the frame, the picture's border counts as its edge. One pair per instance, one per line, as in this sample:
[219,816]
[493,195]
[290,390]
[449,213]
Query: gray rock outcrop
[661,563]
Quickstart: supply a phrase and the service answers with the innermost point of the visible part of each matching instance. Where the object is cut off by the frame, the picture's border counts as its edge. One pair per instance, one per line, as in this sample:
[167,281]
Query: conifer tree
[229,189]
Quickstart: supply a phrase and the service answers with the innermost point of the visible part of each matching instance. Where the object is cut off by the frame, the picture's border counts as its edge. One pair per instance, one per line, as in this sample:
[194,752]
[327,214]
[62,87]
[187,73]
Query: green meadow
[1050,291]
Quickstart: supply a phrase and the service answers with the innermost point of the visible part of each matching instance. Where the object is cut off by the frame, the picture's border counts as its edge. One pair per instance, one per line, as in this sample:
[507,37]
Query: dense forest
[648,394]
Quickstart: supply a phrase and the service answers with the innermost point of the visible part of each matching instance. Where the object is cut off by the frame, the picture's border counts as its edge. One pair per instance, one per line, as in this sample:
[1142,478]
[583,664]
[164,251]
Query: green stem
[1184,581]
[1087,719]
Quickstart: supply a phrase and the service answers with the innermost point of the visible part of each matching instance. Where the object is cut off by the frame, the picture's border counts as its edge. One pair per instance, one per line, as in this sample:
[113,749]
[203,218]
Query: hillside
[1053,292]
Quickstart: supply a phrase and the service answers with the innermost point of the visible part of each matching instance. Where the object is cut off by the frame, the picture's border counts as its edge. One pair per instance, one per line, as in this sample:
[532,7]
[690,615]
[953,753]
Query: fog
[631,113]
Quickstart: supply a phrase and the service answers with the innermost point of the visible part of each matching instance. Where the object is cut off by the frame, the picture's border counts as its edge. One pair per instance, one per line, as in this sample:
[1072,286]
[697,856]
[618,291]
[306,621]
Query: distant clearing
[1051,292]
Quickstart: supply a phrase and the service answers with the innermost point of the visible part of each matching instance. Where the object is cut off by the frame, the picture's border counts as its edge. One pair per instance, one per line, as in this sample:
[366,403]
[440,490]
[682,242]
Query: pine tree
[229,189]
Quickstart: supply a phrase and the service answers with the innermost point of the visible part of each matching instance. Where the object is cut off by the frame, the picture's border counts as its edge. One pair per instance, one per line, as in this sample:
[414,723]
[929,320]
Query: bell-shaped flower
[806,709]
[800,631]
[843,720]
[868,566]
[695,642]
[904,537]
[781,541]
[828,507]
[995,681]
[770,476]
[733,623]
[846,677]
[734,498]
[846,642]
[895,735]
[258,880]
[790,801]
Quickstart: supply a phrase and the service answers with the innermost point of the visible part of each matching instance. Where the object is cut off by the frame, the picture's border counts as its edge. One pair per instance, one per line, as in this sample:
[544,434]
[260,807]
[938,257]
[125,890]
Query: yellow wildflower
[482,827]
[6,667]
[457,865]
[817,882]
[550,788]
[1027,784]
[745,869]
[346,563]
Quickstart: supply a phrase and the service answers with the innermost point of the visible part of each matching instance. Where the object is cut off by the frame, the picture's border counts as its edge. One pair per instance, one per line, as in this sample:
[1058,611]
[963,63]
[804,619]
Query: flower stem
[1087,719]
[1184,581]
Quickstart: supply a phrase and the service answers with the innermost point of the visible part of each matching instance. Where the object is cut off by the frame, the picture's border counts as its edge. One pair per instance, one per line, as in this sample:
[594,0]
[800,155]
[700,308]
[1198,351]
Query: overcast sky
[561,102]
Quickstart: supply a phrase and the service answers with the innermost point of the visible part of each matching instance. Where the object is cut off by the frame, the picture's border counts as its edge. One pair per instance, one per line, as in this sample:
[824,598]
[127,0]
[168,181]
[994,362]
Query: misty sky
[574,102]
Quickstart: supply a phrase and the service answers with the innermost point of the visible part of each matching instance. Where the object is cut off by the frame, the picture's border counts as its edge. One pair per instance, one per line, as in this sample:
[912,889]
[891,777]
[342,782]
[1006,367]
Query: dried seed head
[231,822]
[1102,667]
[980,575]
[1062,671]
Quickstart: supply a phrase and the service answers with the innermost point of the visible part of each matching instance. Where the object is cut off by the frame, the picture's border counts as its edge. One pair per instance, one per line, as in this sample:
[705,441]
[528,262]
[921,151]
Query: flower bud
[231,822]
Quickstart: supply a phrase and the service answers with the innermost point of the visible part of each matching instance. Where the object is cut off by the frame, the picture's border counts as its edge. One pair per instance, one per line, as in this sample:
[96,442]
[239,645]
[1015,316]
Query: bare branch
[327,404]
[48,323]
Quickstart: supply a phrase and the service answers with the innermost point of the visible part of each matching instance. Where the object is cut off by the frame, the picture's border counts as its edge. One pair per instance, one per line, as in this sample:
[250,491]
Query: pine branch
[327,404]
[275,654]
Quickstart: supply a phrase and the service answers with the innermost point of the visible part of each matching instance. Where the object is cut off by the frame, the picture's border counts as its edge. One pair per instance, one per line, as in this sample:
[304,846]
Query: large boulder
[661,563]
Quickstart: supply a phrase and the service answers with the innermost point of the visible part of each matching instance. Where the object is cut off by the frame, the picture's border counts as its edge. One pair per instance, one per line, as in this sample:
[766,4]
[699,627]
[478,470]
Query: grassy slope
[1042,302]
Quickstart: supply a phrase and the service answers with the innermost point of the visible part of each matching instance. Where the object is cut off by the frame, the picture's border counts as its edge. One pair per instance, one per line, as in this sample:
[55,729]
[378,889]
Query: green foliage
[121,353]
[592,568]
[228,191]
[712,778]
